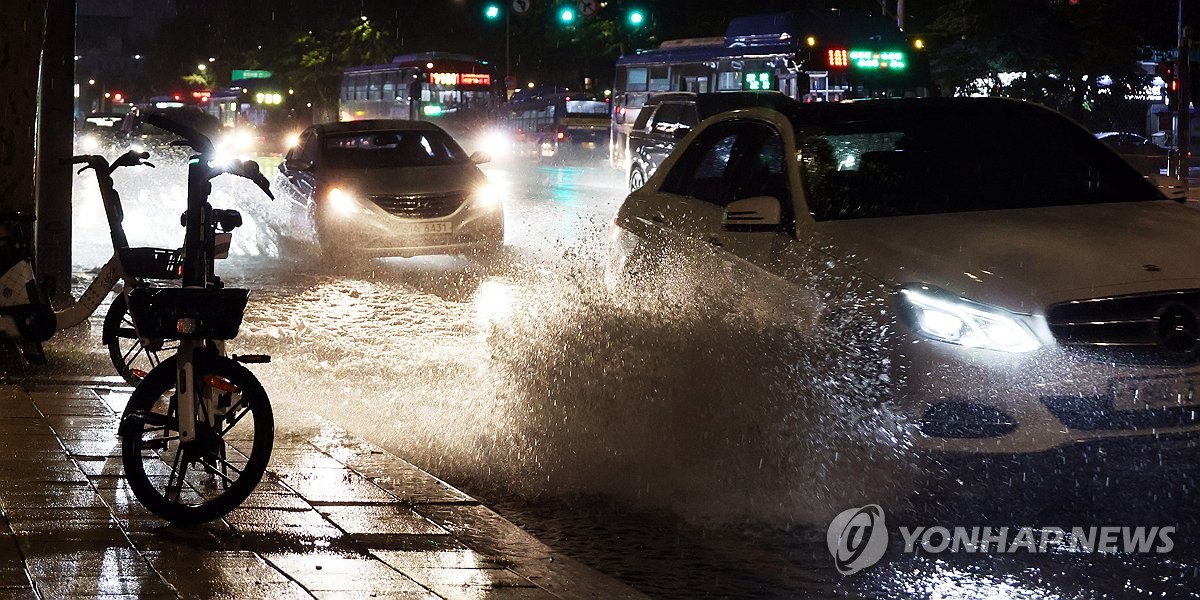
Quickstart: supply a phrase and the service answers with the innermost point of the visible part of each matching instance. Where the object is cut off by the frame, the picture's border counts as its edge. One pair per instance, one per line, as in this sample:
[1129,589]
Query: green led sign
[868,59]
[757,81]
[250,74]
[431,110]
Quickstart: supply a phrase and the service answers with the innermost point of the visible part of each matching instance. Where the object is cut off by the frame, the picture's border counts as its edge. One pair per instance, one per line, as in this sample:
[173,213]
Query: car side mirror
[760,213]
[481,157]
[1171,187]
[294,164]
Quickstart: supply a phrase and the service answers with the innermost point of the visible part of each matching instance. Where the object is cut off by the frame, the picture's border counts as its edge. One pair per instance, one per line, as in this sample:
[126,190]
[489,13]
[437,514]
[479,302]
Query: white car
[1005,278]
[376,188]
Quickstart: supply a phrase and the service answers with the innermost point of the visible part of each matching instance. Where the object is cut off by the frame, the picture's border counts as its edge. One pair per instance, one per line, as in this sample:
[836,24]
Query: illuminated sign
[431,110]
[268,98]
[475,79]
[867,59]
[444,78]
[839,58]
[461,79]
[757,81]
[249,74]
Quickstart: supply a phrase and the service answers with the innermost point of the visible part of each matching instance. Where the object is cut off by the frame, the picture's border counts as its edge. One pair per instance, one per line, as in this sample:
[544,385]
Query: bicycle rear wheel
[201,480]
[128,352]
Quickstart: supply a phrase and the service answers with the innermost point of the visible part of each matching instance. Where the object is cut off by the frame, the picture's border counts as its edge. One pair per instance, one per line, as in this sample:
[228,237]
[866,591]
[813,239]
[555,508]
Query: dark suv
[663,121]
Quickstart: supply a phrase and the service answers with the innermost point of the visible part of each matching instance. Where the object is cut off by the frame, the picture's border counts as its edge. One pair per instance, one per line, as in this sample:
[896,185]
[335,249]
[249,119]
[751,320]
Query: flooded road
[662,446]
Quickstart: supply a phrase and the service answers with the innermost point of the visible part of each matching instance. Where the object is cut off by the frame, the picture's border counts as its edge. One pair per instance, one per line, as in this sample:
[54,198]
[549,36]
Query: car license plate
[424,228]
[1141,393]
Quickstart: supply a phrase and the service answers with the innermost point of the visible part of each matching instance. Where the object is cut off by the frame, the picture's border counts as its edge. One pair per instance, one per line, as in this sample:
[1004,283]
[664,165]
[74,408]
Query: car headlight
[940,315]
[486,196]
[342,202]
[89,142]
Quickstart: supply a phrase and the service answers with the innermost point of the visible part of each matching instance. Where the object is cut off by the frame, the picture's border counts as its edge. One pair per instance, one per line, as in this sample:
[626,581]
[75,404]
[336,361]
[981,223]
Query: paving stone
[340,572]
[293,524]
[380,519]
[340,486]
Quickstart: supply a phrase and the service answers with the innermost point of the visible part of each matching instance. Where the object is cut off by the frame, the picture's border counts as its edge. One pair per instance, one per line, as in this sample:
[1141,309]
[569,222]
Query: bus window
[638,80]
[660,79]
[374,86]
[729,80]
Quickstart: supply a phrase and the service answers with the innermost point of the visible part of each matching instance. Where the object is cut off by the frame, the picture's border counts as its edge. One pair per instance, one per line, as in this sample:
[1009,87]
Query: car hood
[407,180]
[1026,259]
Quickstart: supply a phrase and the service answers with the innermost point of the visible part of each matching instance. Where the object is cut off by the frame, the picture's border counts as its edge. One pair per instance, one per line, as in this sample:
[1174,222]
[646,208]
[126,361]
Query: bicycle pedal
[252,358]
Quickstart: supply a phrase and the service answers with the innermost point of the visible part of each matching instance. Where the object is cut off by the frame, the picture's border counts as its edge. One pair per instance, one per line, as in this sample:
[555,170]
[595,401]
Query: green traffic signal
[566,15]
[636,18]
[492,11]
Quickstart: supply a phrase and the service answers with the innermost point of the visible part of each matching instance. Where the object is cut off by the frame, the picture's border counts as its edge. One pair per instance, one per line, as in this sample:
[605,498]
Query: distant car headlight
[940,315]
[343,202]
[486,196]
[89,142]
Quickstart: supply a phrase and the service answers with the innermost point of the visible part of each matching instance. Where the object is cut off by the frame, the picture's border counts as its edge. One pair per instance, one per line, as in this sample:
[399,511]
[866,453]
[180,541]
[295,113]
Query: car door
[771,272]
[668,120]
[300,185]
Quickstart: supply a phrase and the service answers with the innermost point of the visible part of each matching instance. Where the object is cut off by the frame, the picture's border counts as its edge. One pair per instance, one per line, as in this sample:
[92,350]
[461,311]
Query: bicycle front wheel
[203,479]
[132,356]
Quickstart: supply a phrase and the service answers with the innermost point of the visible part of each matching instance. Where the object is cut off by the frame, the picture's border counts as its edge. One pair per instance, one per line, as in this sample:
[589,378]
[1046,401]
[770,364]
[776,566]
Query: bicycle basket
[151,263]
[216,314]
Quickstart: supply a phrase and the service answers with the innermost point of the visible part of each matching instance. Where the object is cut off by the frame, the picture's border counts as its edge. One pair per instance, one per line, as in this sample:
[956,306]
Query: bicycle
[197,432]
[25,314]
[31,321]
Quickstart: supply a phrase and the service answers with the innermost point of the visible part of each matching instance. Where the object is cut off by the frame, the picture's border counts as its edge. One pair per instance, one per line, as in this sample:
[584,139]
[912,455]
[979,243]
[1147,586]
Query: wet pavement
[334,517]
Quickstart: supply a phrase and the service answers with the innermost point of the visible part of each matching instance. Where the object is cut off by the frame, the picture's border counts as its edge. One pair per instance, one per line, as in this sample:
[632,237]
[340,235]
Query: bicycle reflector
[220,383]
[140,374]
[185,326]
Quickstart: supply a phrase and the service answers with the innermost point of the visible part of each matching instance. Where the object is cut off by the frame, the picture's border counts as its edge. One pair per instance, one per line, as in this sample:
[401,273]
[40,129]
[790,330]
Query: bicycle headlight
[940,315]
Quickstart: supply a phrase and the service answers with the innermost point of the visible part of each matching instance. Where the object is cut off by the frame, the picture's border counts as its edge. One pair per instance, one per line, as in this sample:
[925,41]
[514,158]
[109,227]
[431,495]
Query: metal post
[56,138]
[22,24]
[1183,135]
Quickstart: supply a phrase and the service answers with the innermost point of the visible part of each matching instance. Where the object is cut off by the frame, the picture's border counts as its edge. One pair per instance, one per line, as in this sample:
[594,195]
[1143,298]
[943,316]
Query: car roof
[375,125]
[671,97]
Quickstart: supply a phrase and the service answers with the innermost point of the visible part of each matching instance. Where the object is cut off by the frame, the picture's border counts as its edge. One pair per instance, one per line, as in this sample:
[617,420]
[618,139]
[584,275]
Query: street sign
[521,6]
[249,74]
[588,7]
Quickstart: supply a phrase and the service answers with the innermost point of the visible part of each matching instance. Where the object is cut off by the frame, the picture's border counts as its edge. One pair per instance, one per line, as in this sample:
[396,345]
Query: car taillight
[562,136]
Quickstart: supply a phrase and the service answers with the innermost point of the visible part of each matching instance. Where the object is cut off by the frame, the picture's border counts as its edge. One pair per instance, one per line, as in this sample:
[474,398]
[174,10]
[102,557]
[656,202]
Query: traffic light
[636,18]
[492,11]
[1166,70]
[566,15]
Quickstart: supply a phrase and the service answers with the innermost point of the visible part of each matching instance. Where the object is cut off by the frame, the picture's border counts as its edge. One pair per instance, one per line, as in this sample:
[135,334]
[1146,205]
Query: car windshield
[912,161]
[387,149]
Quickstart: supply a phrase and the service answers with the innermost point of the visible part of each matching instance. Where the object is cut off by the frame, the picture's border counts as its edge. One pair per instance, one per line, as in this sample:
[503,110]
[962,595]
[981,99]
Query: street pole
[507,39]
[56,135]
[1184,104]
[21,29]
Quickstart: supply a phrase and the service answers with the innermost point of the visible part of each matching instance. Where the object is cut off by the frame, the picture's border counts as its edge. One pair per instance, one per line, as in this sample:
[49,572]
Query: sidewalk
[334,517]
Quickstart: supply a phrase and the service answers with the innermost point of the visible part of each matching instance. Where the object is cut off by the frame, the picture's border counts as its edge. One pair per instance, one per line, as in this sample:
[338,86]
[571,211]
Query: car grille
[1096,413]
[421,207]
[1144,329]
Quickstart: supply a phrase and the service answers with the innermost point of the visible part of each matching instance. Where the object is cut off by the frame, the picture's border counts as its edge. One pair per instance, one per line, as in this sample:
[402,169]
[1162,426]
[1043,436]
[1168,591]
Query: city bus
[257,116]
[458,92]
[558,125]
[812,56]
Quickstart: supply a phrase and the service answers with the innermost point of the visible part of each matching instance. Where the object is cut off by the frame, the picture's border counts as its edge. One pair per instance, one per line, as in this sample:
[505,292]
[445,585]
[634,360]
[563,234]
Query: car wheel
[636,179]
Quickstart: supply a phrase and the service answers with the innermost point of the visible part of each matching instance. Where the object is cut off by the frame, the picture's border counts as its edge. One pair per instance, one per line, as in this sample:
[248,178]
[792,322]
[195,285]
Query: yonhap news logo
[858,538]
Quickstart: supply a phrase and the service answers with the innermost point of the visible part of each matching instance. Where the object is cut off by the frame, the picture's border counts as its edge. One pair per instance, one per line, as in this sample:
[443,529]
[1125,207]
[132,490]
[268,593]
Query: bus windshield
[587,108]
